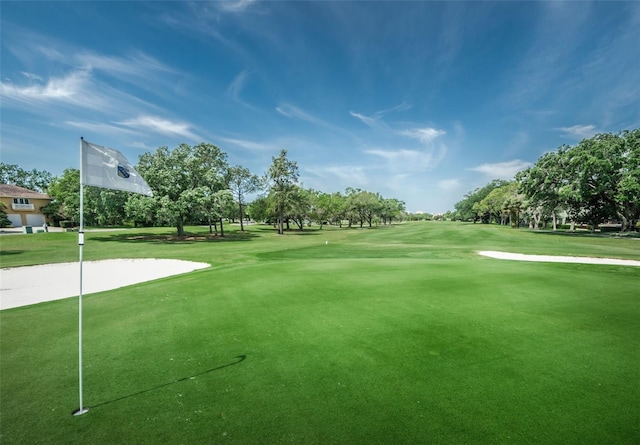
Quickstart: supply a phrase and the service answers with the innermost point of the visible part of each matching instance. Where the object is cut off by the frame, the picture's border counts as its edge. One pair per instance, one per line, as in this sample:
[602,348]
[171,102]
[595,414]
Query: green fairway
[397,334]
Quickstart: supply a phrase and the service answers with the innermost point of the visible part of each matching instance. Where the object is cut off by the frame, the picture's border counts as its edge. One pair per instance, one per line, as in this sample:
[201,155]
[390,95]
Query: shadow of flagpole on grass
[240,358]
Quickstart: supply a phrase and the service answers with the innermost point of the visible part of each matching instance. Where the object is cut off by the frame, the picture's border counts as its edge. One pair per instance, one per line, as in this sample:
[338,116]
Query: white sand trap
[558,259]
[21,286]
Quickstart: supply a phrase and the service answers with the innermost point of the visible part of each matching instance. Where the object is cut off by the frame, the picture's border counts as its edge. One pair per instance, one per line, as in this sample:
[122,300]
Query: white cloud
[425,135]
[235,5]
[578,131]
[502,170]
[449,185]
[101,128]
[250,145]
[68,89]
[294,112]
[237,84]
[376,120]
[31,76]
[137,64]
[370,121]
[411,160]
[351,175]
[160,125]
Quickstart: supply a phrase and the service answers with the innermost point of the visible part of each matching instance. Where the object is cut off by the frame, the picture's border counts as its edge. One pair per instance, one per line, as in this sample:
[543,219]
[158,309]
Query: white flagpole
[81,409]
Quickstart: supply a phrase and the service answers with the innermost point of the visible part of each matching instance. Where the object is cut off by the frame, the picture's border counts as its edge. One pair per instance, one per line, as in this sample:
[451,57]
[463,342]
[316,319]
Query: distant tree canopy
[595,181]
[188,184]
[195,185]
[471,207]
[36,180]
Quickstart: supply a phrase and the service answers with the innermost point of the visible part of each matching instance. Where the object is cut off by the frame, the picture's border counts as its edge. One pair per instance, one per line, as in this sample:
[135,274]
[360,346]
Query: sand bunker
[21,286]
[558,259]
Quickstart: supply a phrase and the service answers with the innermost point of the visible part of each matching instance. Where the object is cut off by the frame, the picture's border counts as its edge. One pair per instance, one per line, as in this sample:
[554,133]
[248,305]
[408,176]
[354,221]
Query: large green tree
[544,186]
[391,209]
[184,181]
[627,195]
[470,209]
[281,179]
[594,181]
[242,182]
[65,191]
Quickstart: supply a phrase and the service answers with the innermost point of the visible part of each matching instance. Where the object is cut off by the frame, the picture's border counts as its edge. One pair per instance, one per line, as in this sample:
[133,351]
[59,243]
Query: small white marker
[326,242]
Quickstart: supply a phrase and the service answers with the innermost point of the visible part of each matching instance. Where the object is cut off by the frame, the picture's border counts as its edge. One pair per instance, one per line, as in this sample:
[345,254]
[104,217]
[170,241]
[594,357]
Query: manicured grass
[392,335]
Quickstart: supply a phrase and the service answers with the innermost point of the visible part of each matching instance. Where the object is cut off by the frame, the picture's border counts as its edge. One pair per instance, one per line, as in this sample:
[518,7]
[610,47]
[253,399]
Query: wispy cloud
[102,128]
[352,175]
[425,135]
[376,119]
[449,185]
[370,121]
[160,125]
[136,64]
[502,170]
[410,160]
[578,131]
[237,84]
[426,156]
[249,145]
[69,89]
[235,5]
[294,112]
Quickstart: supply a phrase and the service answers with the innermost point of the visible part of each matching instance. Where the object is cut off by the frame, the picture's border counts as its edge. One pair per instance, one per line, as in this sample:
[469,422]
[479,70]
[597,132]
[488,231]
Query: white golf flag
[108,168]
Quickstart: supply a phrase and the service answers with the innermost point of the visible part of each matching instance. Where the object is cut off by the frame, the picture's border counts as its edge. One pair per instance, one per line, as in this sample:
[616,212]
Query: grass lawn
[398,334]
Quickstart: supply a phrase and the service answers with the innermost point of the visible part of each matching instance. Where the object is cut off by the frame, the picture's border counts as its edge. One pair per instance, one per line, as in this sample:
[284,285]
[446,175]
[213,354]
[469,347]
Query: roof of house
[13,191]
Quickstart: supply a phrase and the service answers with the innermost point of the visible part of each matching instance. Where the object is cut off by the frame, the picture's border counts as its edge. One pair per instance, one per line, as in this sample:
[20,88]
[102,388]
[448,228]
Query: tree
[542,185]
[281,178]
[37,180]
[183,181]
[326,207]
[4,219]
[261,209]
[299,206]
[215,206]
[141,210]
[593,169]
[65,192]
[470,208]
[391,209]
[627,196]
[596,180]
[368,206]
[242,182]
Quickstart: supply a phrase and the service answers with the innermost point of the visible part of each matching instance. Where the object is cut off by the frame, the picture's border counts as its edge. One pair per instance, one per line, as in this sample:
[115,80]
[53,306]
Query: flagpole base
[80,411]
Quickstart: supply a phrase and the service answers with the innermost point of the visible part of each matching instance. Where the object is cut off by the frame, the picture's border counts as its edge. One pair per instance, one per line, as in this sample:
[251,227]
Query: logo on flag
[123,172]
[108,168]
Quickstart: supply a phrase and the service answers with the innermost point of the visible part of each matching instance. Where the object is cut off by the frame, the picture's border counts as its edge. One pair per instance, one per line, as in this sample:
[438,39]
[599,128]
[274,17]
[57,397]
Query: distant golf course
[391,335]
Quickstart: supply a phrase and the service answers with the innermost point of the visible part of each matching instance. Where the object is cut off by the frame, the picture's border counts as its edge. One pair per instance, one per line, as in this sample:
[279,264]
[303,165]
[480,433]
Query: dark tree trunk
[241,218]
[180,227]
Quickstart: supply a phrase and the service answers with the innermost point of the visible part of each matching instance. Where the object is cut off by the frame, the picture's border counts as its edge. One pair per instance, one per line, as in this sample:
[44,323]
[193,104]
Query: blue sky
[420,101]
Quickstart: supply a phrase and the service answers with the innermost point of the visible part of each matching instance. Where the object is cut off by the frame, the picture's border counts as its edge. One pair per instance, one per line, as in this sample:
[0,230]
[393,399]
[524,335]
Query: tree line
[196,185]
[593,182]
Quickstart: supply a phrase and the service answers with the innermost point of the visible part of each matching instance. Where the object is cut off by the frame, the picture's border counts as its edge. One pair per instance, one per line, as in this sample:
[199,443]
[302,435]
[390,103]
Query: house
[23,205]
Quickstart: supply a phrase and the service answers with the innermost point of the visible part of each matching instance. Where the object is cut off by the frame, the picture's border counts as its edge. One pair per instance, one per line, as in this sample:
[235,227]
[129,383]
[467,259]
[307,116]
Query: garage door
[35,220]
[15,219]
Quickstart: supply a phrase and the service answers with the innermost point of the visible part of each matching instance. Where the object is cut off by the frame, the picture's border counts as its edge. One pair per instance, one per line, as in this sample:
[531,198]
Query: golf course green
[397,334]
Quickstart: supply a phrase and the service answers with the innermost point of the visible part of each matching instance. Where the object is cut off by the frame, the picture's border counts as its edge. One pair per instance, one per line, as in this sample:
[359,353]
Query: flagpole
[81,409]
